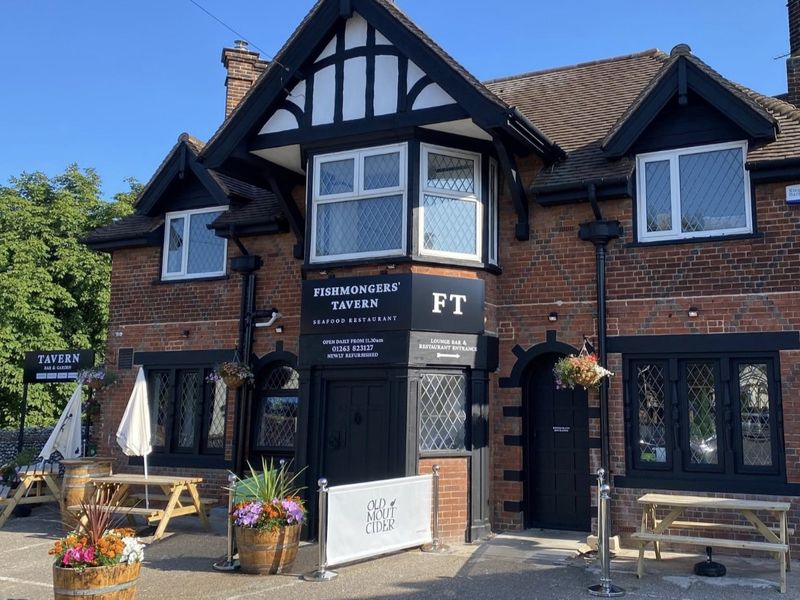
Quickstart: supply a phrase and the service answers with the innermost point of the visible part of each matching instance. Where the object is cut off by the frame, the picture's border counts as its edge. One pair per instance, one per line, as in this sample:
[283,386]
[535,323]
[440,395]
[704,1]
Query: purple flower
[293,510]
[248,515]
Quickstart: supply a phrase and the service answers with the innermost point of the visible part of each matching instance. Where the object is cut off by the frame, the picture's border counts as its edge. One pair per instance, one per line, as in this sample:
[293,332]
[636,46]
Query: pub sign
[402,302]
[56,366]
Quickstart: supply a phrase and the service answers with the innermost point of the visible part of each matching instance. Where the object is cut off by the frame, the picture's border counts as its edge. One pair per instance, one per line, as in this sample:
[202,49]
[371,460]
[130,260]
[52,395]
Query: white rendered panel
[463,127]
[355,88]
[432,95]
[381,39]
[355,32]
[414,75]
[386,74]
[285,156]
[281,120]
[328,50]
[298,95]
[324,96]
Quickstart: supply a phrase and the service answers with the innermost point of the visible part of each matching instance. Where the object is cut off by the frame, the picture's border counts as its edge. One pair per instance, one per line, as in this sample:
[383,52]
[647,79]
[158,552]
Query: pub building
[401,252]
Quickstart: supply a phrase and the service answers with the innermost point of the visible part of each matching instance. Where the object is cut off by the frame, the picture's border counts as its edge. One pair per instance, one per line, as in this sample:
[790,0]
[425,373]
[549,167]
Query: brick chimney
[244,67]
[793,62]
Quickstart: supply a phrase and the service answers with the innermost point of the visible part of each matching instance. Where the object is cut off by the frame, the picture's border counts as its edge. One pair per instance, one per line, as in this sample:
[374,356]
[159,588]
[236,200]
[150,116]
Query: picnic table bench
[654,530]
[172,488]
[38,484]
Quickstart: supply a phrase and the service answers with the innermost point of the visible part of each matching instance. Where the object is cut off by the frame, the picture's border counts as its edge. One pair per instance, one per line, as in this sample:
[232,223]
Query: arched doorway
[273,422]
[555,450]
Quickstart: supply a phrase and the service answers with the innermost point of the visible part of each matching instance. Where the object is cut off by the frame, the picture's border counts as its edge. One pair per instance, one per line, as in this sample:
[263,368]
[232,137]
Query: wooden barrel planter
[117,582]
[77,485]
[263,552]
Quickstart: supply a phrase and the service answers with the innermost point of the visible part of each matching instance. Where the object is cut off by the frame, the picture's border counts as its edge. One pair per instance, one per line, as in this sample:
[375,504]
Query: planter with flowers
[581,370]
[267,518]
[98,562]
[233,373]
[97,377]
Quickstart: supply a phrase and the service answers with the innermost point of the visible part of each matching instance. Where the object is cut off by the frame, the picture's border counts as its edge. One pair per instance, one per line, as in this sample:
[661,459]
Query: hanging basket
[232,382]
[116,582]
[581,370]
[264,551]
[94,384]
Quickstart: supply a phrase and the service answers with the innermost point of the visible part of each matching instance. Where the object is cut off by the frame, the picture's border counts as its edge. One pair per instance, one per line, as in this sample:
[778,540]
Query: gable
[359,74]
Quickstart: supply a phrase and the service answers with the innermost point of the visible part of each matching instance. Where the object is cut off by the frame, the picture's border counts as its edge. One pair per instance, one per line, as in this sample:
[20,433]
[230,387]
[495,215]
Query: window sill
[161,281]
[429,454]
[696,240]
[398,260]
[704,482]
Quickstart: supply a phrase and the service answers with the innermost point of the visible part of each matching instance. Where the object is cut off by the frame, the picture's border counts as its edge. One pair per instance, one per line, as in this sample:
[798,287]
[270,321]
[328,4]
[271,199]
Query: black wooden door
[557,486]
[357,437]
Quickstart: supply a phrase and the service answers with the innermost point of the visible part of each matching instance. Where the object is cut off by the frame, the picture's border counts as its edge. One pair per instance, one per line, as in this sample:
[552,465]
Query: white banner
[376,517]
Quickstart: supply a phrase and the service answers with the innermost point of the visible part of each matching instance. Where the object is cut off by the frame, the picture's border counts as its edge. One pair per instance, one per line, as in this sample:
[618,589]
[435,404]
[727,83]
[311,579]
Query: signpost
[50,366]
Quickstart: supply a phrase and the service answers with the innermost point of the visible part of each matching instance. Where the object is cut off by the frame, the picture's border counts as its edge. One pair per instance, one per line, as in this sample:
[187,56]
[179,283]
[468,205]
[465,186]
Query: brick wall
[453,496]
[738,286]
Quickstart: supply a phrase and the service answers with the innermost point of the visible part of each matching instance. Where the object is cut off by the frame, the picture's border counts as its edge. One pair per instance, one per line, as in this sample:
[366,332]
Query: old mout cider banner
[376,517]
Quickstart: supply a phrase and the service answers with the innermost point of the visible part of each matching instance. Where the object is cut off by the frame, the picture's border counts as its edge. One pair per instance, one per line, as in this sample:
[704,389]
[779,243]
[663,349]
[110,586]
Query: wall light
[553,316]
[693,312]
[279,329]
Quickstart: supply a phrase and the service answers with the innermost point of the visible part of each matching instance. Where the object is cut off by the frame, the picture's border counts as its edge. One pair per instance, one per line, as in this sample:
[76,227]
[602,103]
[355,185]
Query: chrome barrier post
[605,588]
[229,564]
[322,573]
[436,546]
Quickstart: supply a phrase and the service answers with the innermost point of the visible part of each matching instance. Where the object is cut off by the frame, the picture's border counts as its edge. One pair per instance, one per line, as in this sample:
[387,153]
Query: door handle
[357,418]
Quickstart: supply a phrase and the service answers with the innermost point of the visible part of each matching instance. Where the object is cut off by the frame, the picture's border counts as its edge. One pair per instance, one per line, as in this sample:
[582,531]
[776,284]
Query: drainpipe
[246,265]
[600,232]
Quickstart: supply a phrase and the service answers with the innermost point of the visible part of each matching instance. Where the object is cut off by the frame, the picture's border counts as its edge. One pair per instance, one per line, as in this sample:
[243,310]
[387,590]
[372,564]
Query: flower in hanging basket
[233,373]
[97,377]
[581,370]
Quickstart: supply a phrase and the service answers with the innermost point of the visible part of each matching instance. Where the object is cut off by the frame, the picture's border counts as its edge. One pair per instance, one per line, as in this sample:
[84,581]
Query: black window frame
[466,449]
[260,391]
[200,446]
[729,437]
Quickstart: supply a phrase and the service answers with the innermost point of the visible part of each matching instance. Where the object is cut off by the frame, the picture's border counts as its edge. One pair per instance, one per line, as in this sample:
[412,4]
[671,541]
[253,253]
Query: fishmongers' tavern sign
[393,303]
[56,366]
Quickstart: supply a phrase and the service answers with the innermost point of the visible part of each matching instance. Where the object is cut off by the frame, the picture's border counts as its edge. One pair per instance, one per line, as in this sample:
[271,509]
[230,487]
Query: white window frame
[675,232]
[474,197]
[187,215]
[493,230]
[359,193]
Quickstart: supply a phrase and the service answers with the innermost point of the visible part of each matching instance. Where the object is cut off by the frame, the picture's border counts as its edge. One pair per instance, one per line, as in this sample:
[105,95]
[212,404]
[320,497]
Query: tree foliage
[54,291]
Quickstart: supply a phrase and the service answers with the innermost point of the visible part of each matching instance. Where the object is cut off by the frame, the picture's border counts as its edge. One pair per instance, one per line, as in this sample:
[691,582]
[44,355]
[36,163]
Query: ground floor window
[276,411]
[714,414]
[187,413]
[442,412]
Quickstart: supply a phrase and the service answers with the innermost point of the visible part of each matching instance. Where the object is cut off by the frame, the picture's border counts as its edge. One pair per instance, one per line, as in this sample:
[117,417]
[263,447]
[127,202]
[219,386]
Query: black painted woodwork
[767,341]
[125,358]
[556,453]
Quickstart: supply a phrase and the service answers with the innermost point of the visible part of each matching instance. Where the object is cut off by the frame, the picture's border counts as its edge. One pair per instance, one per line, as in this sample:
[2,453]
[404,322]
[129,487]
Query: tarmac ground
[533,564]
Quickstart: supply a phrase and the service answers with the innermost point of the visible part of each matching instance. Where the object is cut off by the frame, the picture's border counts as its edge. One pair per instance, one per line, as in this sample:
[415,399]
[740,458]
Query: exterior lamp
[693,312]
[552,317]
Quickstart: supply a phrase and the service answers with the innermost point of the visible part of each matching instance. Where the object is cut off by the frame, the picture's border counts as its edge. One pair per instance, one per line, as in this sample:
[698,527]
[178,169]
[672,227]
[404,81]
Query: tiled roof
[256,212]
[127,228]
[579,106]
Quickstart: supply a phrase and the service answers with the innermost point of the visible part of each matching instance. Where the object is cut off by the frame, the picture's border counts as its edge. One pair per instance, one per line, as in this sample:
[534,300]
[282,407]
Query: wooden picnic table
[171,486]
[41,482]
[655,530]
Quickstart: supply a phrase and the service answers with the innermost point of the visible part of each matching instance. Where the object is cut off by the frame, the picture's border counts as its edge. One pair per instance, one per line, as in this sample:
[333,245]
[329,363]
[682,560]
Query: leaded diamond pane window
[755,419]
[651,402]
[191,249]
[359,226]
[359,204]
[702,405]
[276,421]
[158,398]
[442,412]
[694,192]
[452,173]
[216,416]
[451,210]
[188,407]
[449,224]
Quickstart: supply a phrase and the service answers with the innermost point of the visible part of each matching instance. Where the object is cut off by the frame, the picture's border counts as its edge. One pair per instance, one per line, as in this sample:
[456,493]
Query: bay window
[693,192]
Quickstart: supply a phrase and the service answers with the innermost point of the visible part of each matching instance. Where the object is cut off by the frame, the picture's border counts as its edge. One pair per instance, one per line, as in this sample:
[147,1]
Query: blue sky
[111,84]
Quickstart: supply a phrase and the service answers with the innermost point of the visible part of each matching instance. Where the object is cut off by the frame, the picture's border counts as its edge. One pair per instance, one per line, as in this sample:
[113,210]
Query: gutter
[605,188]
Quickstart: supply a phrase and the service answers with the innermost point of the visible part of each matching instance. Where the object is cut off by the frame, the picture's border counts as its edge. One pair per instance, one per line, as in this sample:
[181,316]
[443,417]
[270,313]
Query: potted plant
[99,560]
[581,370]
[267,518]
[97,377]
[233,373]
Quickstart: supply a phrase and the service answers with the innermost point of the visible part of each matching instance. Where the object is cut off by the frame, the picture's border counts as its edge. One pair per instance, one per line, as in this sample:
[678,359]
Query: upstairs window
[693,192]
[191,249]
[359,204]
[450,200]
